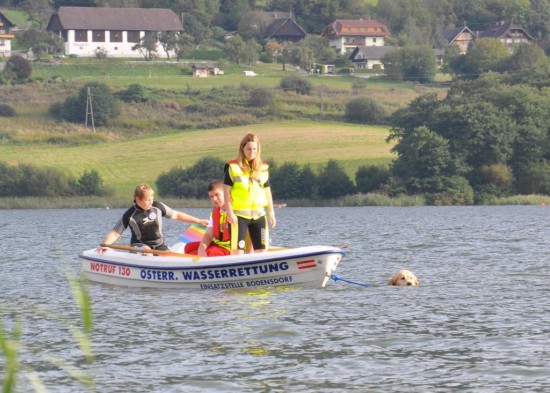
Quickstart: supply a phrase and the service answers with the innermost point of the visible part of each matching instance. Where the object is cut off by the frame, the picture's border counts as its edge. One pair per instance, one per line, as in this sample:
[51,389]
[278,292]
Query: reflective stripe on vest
[219,220]
[248,195]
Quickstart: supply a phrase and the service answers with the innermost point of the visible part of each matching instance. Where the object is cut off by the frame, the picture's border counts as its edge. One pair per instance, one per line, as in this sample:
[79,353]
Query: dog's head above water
[404,278]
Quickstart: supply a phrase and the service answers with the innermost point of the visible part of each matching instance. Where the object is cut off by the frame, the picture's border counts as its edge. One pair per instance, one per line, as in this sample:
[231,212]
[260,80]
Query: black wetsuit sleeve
[124,221]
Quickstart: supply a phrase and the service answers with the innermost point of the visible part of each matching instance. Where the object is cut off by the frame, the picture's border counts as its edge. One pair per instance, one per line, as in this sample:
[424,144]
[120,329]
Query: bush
[261,97]
[370,178]
[365,110]
[101,53]
[187,70]
[74,109]
[191,182]
[18,68]
[457,192]
[90,183]
[41,182]
[6,111]
[297,84]
[134,93]
[495,179]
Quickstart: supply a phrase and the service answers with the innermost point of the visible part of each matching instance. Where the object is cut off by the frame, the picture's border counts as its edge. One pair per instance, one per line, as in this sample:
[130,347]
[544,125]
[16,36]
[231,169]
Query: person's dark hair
[215,184]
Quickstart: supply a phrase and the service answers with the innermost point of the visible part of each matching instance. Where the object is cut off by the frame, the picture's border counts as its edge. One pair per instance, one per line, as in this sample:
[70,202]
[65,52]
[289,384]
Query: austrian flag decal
[307,264]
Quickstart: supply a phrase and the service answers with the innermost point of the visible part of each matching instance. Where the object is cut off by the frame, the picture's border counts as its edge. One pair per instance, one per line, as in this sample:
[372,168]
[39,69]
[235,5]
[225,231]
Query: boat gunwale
[333,250]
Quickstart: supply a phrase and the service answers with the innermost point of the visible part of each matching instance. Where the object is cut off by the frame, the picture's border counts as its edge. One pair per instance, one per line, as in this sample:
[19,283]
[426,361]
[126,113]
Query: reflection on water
[479,320]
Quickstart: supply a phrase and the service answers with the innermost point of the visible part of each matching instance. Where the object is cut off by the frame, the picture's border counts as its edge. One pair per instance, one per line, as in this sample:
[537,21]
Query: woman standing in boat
[145,221]
[248,197]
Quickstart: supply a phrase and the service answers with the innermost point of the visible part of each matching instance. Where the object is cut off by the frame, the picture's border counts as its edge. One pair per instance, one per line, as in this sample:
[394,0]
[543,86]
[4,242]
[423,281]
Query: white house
[111,30]
[5,36]
[369,57]
[345,35]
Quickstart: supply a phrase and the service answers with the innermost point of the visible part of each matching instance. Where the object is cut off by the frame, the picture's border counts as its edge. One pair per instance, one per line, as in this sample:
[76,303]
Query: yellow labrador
[403,278]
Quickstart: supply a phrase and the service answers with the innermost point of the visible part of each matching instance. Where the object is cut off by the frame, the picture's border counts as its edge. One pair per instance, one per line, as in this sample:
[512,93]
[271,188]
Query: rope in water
[337,278]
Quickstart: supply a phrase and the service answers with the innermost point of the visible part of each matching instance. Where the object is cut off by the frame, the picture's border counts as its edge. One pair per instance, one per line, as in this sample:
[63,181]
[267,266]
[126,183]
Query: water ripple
[478,322]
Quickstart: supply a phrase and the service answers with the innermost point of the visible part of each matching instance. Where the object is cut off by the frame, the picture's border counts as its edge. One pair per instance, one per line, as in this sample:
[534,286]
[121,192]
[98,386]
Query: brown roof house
[345,35]
[111,30]
[459,36]
[509,33]
[284,27]
[5,36]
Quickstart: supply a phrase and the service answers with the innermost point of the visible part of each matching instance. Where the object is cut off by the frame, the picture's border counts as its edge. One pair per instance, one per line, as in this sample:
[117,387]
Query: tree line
[489,137]
[288,180]
[27,180]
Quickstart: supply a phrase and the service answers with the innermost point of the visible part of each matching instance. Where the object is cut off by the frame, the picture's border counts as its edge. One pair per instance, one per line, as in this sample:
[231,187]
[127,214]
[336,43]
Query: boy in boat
[216,241]
[145,221]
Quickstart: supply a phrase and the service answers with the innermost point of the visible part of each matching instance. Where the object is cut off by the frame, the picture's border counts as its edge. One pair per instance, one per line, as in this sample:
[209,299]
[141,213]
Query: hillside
[186,118]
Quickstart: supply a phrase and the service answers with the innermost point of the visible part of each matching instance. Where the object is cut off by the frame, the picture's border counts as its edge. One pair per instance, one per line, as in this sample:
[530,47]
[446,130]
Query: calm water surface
[478,322]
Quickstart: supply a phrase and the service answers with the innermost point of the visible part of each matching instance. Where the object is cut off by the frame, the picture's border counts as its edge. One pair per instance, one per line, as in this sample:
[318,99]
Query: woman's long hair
[255,165]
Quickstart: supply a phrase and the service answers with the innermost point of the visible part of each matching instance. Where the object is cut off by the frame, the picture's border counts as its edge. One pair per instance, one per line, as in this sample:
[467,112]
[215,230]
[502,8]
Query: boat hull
[309,266]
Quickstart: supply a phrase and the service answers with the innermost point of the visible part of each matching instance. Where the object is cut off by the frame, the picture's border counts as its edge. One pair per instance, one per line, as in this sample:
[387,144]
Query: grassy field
[122,164]
[150,139]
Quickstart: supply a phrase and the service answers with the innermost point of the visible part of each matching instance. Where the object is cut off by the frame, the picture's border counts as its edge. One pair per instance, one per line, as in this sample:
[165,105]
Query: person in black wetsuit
[145,221]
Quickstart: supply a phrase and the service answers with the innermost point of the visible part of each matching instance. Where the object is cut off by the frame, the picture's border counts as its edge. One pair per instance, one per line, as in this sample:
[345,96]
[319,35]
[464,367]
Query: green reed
[10,344]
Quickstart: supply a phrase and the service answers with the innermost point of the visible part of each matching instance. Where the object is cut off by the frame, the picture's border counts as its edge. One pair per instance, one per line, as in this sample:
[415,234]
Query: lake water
[479,321]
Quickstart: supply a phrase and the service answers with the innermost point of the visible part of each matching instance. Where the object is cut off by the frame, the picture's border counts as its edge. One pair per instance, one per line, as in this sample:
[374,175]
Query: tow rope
[337,278]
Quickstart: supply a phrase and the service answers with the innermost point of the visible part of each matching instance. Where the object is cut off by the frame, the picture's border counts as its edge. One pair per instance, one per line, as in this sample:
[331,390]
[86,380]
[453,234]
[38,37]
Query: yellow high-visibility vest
[248,195]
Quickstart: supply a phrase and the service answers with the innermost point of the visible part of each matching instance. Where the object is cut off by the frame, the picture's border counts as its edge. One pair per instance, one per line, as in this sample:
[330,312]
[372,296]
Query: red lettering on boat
[102,267]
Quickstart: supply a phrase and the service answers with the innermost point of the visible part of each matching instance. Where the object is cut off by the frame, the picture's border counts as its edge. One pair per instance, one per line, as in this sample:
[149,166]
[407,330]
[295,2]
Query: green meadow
[123,164]
[148,140]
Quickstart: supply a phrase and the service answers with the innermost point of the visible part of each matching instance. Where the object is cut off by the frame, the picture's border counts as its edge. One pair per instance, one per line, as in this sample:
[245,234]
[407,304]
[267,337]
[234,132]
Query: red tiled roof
[356,27]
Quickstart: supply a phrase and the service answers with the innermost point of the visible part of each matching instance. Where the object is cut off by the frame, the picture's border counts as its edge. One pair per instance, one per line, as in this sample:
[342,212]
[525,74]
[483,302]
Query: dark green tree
[485,54]
[184,45]
[236,50]
[40,42]
[369,178]
[285,181]
[191,182]
[424,162]
[413,63]
[333,182]
[104,104]
[148,46]
[418,113]
[169,41]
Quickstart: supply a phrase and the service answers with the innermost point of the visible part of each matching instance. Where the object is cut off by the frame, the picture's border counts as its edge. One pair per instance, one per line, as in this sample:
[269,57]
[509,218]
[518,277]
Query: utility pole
[89,109]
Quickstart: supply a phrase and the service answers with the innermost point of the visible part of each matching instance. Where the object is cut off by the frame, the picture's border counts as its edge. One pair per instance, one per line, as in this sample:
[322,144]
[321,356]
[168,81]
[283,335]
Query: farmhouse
[345,35]
[460,36]
[284,27]
[5,36]
[509,33]
[113,31]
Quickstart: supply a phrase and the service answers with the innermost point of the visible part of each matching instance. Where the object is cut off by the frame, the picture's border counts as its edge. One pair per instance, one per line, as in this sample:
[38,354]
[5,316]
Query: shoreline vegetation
[370,199]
